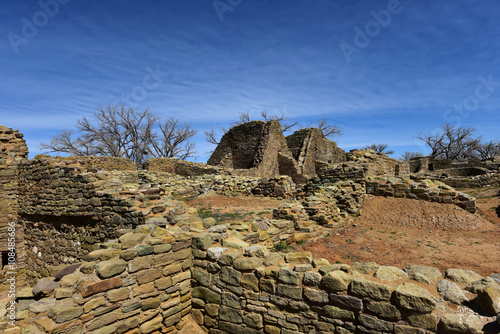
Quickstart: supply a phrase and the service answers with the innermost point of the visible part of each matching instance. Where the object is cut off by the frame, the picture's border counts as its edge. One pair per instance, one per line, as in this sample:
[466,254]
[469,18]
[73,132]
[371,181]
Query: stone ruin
[102,247]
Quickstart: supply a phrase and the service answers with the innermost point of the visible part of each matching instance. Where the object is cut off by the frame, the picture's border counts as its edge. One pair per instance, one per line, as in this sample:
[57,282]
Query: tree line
[121,131]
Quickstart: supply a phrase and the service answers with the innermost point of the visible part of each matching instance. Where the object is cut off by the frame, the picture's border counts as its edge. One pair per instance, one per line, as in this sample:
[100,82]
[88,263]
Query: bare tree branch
[455,143]
[380,148]
[329,130]
[280,118]
[407,156]
[118,131]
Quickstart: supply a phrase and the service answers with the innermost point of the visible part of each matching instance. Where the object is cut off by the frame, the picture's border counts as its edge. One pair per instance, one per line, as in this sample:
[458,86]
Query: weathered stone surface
[311,278]
[462,275]
[64,311]
[289,277]
[66,271]
[228,258]
[103,254]
[451,292]
[234,242]
[148,275]
[365,268]
[253,320]
[376,324]
[206,294]
[384,310]
[316,296]
[368,289]
[231,315]
[130,240]
[202,241]
[42,305]
[348,302]
[489,299]
[45,286]
[461,323]
[102,321]
[151,325]
[388,273]
[250,281]
[91,287]
[272,259]
[289,291]
[415,272]
[248,263]
[257,251]
[214,253]
[118,294]
[338,313]
[481,284]
[426,321]
[336,281]
[298,257]
[412,297]
[110,268]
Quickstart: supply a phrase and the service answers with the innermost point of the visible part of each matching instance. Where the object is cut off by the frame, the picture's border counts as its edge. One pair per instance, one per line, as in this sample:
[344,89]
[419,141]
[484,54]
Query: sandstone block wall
[254,291]
[257,144]
[69,205]
[13,151]
[142,283]
[310,145]
[181,167]
[426,190]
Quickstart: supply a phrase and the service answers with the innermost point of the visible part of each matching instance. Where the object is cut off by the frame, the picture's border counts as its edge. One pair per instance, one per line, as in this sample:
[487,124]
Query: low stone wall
[254,291]
[13,151]
[142,284]
[469,182]
[181,167]
[427,190]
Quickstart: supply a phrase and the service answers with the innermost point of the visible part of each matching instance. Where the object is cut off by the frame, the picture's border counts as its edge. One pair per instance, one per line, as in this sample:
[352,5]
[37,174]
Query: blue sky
[381,70]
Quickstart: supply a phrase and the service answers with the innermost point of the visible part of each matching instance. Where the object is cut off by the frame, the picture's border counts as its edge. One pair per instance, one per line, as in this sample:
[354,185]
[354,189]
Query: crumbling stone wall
[426,190]
[181,167]
[310,145]
[70,205]
[142,283]
[255,291]
[13,151]
[257,144]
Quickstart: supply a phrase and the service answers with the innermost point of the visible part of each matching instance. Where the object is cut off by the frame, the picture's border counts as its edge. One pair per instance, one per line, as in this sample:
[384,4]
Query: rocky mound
[419,214]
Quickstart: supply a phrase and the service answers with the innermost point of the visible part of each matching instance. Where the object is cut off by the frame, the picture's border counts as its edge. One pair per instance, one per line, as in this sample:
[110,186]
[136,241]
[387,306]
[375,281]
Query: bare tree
[282,118]
[455,143]
[329,130]
[488,150]
[172,140]
[211,137]
[407,156]
[380,148]
[118,131]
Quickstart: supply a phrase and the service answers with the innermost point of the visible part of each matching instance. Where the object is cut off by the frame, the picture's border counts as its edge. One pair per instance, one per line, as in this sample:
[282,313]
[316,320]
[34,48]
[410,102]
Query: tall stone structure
[310,145]
[13,150]
[259,146]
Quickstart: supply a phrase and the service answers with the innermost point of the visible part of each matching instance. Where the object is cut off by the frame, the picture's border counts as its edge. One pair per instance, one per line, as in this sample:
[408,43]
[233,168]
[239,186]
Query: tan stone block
[118,294]
[148,275]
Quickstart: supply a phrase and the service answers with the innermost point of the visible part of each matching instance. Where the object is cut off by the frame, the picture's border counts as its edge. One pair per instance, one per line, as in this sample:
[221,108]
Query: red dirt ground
[399,232]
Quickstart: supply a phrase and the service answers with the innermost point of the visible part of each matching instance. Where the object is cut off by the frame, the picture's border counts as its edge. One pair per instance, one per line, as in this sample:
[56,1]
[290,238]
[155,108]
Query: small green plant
[349,241]
[301,242]
[282,247]
[338,262]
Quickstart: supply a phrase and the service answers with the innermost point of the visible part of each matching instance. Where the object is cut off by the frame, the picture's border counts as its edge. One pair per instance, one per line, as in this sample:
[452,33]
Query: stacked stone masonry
[113,249]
